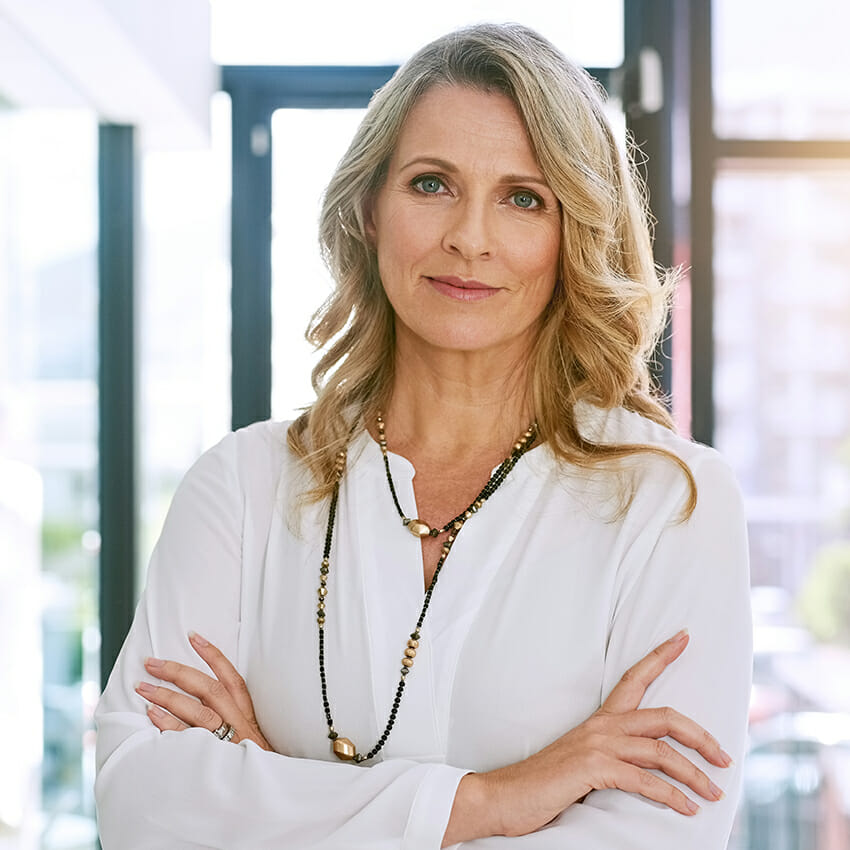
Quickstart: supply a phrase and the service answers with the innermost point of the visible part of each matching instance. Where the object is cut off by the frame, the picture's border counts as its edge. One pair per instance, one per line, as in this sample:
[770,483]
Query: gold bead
[479,503]
[457,526]
[418,528]
[321,606]
[410,653]
[323,591]
[467,514]
[344,749]
[325,562]
[320,621]
[446,550]
[413,643]
[407,662]
[517,446]
[451,538]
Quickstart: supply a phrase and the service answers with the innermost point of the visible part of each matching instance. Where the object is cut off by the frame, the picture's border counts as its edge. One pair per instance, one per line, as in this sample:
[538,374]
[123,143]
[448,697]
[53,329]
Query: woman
[484,649]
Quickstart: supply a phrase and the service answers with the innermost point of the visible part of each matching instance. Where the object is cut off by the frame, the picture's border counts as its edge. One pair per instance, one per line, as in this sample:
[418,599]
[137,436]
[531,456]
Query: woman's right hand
[614,748]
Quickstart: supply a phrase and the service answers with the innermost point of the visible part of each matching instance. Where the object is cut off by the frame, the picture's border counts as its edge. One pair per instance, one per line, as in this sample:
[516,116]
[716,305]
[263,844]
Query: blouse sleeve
[692,575]
[188,789]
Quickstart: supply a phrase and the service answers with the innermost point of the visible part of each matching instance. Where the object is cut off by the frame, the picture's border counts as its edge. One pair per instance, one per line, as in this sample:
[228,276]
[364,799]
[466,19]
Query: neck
[451,404]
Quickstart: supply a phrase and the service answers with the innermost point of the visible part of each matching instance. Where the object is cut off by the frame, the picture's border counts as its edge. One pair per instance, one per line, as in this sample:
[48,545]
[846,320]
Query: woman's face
[467,230]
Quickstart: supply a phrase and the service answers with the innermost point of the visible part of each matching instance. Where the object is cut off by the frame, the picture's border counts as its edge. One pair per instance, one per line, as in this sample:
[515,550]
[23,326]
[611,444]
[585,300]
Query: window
[49,665]
[782,396]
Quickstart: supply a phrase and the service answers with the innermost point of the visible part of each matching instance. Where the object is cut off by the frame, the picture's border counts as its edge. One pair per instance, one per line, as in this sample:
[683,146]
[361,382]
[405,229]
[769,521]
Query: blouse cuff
[432,807]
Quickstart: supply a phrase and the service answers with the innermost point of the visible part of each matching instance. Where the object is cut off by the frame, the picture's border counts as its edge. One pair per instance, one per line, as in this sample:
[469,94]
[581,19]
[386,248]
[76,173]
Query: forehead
[464,122]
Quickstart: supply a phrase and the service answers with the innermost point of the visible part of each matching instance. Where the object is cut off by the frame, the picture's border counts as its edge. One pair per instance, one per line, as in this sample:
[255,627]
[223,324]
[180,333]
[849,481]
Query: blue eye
[526,200]
[428,184]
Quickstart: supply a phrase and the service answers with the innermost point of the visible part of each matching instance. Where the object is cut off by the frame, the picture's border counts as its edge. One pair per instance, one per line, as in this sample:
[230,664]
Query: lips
[459,289]
[460,283]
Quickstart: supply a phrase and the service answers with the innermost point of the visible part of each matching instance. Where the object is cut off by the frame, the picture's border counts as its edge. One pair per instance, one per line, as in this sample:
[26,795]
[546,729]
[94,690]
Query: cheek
[537,256]
[402,240]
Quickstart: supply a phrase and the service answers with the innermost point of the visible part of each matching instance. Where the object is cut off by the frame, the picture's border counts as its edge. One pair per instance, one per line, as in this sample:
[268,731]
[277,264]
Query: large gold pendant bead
[344,749]
[418,528]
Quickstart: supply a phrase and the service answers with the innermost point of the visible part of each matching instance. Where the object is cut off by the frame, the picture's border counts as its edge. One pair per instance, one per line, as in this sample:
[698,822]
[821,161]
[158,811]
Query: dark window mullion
[250,229]
[702,223]
[116,388]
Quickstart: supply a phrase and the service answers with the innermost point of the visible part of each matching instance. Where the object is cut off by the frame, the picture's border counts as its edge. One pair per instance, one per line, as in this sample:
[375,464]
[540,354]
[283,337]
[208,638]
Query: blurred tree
[824,601]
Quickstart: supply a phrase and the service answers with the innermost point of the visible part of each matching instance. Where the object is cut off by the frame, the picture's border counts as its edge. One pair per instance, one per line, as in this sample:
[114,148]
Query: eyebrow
[445,165]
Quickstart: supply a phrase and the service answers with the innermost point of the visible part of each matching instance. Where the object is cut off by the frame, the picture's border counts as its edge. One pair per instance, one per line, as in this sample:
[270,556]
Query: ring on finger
[225,732]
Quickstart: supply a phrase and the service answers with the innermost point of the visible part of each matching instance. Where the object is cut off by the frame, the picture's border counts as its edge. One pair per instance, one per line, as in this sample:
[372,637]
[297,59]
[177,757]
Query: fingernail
[146,689]
[729,761]
[153,711]
[679,636]
[718,793]
[196,638]
[691,806]
[156,663]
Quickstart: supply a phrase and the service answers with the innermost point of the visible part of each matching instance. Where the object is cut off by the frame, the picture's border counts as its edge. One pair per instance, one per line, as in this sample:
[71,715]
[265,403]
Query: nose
[469,231]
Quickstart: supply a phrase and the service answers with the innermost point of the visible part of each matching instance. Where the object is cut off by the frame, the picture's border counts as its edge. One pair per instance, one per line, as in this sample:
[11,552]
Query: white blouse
[550,593]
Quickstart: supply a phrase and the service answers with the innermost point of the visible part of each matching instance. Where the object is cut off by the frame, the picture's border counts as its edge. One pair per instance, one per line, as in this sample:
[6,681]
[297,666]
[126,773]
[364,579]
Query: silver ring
[224,732]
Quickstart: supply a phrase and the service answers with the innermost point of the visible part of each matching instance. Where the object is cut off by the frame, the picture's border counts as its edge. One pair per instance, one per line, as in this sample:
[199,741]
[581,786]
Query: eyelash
[417,182]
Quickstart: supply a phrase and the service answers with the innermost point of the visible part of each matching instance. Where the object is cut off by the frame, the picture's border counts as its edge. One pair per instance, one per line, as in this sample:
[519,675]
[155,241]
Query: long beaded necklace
[343,748]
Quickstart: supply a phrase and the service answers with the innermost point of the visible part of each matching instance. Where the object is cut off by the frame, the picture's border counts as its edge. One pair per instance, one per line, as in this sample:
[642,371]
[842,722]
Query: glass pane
[782,399]
[48,477]
[781,69]
[184,306]
[379,32]
[306,146]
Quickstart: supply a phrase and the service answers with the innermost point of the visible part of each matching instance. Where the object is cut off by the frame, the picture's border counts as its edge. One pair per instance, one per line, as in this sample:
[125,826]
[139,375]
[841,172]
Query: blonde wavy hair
[609,307]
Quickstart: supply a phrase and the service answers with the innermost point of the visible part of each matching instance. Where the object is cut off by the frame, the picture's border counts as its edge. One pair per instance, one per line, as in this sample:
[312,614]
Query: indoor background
[161,163]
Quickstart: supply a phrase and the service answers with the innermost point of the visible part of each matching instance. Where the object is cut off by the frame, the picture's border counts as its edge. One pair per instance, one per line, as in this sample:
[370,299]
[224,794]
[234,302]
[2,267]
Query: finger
[659,722]
[647,753]
[185,708]
[211,692]
[164,721]
[629,691]
[225,672]
[640,781]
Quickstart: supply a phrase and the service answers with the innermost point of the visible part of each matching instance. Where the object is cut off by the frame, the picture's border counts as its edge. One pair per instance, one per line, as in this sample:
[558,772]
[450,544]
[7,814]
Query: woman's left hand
[208,702]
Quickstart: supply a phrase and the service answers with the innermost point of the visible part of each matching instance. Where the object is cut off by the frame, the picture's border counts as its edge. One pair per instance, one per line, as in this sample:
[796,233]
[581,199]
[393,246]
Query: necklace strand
[343,748]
